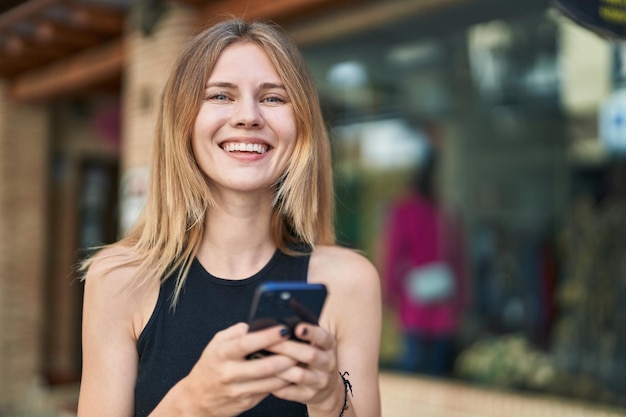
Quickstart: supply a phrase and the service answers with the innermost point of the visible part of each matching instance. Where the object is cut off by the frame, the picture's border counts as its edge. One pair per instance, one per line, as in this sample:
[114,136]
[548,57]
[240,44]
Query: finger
[267,367]
[315,335]
[231,372]
[232,332]
[258,387]
[311,384]
[260,340]
[300,375]
[306,355]
[299,392]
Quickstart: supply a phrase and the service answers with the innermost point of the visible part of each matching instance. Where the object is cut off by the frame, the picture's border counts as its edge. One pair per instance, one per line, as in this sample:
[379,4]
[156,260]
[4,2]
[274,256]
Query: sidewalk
[410,396]
[401,396]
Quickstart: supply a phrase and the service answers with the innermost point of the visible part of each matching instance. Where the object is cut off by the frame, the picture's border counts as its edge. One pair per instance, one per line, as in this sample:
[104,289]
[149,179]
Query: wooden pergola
[52,48]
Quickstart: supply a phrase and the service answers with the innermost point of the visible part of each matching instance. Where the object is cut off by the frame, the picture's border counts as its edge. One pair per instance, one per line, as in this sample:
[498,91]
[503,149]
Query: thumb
[232,332]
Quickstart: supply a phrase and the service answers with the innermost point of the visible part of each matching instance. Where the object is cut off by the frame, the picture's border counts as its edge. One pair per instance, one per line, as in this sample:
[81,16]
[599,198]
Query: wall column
[149,59]
[23,200]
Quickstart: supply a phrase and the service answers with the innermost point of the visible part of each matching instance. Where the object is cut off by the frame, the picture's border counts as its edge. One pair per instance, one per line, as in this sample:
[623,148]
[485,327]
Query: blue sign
[612,123]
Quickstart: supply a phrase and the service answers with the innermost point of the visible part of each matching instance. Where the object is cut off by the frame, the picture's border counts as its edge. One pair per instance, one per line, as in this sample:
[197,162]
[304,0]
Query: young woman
[240,194]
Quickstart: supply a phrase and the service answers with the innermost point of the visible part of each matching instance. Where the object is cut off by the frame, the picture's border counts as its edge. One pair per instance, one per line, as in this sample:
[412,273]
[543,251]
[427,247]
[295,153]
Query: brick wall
[23,173]
[148,62]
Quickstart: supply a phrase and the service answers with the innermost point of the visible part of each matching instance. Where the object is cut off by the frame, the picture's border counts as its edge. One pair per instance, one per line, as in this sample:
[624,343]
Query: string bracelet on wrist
[346,386]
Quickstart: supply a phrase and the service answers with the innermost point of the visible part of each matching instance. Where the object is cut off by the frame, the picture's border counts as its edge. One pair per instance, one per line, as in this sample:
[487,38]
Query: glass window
[470,167]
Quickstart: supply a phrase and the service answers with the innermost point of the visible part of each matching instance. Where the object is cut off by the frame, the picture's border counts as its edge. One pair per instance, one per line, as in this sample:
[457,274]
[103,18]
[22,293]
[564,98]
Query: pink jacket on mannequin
[413,239]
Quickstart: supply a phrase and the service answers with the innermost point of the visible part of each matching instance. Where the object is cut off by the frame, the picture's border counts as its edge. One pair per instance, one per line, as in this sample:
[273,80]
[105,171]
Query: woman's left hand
[315,381]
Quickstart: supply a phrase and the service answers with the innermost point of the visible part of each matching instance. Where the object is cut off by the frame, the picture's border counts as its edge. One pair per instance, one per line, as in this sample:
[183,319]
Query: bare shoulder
[109,271]
[109,289]
[352,280]
[342,267]
[109,259]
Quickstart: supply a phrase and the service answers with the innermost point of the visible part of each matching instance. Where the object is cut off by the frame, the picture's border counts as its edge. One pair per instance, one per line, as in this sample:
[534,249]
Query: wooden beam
[18,48]
[24,11]
[361,18]
[18,53]
[71,75]
[9,66]
[49,33]
[97,19]
[254,9]
[12,45]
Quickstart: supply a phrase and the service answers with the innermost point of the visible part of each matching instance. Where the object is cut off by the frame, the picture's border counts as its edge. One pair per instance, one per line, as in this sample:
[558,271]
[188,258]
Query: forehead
[245,61]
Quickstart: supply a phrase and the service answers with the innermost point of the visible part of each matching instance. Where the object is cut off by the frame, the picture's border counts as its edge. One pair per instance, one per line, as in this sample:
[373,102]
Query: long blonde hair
[168,233]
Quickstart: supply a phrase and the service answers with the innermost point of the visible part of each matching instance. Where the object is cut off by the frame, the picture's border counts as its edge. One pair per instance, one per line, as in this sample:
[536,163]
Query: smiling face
[245,130]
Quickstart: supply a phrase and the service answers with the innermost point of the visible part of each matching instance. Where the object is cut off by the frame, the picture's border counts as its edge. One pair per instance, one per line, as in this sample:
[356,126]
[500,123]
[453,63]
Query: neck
[237,241]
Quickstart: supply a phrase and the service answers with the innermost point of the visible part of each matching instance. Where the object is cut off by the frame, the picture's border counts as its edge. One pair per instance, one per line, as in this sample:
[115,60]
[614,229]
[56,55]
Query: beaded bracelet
[346,386]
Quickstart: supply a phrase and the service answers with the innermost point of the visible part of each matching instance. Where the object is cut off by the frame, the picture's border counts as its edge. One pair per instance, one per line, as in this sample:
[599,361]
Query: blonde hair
[169,231]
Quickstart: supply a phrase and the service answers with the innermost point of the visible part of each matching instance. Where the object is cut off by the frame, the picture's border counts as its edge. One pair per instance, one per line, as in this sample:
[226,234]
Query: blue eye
[274,99]
[218,97]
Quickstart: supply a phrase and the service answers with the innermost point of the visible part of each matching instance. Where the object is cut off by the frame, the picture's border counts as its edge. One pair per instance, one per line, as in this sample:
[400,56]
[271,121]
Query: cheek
[201,137]
[196,141]
[202,125]
[198,154]
[210,118]
[200,144]
[288,129]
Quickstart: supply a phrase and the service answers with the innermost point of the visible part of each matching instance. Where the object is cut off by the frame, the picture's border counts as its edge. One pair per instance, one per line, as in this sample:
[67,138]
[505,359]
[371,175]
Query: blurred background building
[524,107]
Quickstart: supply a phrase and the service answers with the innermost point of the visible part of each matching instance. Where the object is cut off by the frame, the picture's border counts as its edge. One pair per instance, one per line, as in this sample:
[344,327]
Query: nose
[248,114]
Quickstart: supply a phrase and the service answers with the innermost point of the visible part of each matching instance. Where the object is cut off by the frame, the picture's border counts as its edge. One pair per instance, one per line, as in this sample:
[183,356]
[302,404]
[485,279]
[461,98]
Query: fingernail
[284,331]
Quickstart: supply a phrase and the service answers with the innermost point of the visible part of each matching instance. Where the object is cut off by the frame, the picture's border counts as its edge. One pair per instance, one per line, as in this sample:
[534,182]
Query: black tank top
[174,339]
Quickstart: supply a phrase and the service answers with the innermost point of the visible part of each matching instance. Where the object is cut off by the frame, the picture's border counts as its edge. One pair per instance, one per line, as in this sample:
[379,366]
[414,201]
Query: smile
[259,148]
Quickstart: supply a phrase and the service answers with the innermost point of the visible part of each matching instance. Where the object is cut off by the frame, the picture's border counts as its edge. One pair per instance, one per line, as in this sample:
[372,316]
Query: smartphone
[286,303]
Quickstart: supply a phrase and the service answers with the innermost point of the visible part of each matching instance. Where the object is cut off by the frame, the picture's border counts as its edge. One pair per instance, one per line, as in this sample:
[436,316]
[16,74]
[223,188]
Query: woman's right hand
[223,382]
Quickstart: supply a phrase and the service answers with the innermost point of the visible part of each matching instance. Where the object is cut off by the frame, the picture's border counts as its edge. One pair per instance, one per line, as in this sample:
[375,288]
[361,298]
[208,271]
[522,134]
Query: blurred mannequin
[425,274]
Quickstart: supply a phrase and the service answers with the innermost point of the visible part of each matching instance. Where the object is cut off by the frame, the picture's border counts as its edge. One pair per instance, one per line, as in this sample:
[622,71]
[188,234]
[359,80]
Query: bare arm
[109,350]
[356,310]
[347,340]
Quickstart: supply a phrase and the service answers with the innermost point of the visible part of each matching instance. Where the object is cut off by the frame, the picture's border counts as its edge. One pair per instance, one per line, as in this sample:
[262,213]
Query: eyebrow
[269,86]
[264,86]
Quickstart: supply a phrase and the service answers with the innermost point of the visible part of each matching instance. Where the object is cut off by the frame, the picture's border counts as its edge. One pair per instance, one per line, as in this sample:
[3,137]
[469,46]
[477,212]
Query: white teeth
[246,147]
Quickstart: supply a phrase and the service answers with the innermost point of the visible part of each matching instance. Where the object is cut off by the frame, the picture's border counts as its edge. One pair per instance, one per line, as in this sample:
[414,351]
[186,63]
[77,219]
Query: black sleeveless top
[174,339]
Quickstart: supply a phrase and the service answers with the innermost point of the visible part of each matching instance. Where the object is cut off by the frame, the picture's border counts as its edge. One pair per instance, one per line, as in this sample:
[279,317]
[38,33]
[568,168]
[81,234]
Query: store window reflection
[520,164]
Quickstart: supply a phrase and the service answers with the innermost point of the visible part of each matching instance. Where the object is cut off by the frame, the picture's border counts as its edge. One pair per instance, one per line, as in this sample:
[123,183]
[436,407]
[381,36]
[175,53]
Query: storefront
[510,98]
